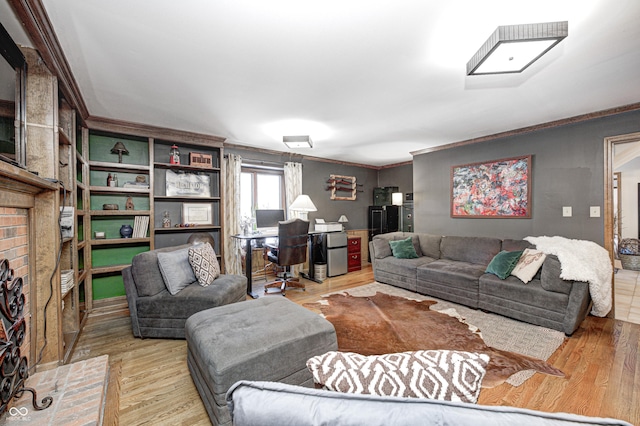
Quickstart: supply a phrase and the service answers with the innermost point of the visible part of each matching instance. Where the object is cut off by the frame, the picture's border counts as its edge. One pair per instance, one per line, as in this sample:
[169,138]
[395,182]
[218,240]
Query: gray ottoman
[267,339]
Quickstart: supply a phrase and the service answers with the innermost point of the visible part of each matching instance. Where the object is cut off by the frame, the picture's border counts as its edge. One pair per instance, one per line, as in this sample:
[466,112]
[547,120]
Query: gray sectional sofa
[453,268]
[157,313]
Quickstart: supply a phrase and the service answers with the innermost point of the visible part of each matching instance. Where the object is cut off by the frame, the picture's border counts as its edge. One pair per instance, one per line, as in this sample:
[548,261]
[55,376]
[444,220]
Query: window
[260,189]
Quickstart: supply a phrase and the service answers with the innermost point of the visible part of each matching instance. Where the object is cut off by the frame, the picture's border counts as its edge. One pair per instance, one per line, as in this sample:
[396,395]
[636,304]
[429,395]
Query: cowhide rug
[384,323]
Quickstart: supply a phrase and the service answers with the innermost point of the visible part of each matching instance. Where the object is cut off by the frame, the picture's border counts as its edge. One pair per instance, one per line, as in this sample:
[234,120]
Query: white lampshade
[396,198]
[303,204]
[343,219]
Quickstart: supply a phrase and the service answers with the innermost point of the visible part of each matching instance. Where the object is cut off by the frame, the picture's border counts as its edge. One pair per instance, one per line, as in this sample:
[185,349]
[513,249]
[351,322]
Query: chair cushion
[146,271]
[176,270]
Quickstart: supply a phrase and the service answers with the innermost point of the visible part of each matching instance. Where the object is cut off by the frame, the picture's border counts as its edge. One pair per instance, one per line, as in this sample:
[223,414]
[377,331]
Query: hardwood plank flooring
[601,362]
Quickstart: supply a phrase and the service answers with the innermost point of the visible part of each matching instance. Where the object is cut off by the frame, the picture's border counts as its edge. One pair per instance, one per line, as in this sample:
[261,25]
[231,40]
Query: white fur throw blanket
[585,261]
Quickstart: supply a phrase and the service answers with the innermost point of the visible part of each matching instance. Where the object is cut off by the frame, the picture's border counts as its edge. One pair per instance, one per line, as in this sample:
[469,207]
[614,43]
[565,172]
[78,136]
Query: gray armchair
[157,313]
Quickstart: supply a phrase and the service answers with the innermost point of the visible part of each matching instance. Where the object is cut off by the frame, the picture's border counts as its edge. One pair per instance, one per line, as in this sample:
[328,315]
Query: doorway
[621,218]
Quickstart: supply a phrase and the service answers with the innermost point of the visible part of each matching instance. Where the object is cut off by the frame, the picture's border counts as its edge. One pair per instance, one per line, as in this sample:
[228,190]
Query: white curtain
[232,246]
[292,188]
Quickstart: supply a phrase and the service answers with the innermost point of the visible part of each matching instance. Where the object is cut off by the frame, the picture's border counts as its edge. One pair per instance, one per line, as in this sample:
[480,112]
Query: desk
[247,259]
[248,267]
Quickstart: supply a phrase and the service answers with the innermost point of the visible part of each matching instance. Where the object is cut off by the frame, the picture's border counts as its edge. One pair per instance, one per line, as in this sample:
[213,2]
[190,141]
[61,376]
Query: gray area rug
[497,331]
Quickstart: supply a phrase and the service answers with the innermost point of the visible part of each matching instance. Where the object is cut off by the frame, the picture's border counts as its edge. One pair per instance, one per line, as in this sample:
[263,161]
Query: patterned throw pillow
[443,375]
[528,265]
[205,264]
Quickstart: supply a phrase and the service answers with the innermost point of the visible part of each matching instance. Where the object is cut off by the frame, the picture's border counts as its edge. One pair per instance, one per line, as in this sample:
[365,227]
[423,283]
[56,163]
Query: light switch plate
[594,211]
[566,211]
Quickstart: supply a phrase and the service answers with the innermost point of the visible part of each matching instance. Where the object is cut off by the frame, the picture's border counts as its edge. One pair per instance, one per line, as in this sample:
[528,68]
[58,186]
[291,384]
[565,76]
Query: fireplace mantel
[21,189]
[16,180]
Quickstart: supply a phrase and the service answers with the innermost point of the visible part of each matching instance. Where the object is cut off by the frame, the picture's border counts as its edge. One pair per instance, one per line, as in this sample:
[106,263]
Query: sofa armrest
[132,298]
[577,308]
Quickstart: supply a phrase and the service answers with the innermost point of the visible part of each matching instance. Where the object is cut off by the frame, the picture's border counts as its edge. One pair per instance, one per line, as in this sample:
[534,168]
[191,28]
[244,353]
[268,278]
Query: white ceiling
[370,81]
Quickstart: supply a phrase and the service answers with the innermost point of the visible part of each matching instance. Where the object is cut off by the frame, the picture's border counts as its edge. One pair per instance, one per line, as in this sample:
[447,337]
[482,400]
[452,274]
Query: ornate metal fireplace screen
[14,369]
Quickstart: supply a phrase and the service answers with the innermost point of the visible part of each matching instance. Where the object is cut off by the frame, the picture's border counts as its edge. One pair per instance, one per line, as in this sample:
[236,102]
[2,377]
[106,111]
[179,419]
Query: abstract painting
[497,189]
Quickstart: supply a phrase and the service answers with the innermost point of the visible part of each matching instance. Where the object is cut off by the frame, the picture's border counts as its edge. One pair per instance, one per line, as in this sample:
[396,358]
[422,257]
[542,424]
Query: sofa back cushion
[477,250]
[146,272]
[383,249]
[430,245]
[516,245]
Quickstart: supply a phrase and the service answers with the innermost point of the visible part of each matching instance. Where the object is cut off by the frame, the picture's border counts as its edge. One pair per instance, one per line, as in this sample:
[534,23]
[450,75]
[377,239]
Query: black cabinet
[383,219]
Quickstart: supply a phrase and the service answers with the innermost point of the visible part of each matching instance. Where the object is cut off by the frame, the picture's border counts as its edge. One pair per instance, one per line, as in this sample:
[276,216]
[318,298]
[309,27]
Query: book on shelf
[140,226]
[137,185]
[67,280]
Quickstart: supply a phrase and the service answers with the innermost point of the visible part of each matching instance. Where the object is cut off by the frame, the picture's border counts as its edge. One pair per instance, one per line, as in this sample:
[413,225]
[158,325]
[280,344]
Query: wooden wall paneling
[46,281]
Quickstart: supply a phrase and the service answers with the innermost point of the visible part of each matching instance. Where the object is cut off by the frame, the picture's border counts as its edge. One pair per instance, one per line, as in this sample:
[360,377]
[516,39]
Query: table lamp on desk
[343,219]
[304,205]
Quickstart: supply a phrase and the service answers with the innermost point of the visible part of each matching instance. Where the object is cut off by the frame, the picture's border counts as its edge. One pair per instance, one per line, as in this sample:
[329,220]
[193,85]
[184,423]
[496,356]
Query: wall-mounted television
[13,68]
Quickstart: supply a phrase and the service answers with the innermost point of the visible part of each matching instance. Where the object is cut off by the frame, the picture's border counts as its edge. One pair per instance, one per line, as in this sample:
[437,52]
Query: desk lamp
[304,205]
[343,219]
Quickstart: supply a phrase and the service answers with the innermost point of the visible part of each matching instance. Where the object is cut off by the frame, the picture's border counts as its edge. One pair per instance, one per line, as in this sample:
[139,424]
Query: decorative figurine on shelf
[174,155]
[109,179]
[129,205]
[126,231]
[119,149]
[166,220]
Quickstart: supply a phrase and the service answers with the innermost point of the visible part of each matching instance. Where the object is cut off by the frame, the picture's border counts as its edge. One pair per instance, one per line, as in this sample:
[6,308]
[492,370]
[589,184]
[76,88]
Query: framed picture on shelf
[496,189]
[186,184]
[196,214]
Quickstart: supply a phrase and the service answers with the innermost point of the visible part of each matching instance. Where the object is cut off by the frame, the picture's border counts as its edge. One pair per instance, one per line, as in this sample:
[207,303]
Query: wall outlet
[594,211]
[566,211]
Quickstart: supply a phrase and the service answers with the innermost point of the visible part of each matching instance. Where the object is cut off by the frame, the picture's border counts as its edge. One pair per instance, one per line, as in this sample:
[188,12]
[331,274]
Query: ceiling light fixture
[512,48]
[293,142]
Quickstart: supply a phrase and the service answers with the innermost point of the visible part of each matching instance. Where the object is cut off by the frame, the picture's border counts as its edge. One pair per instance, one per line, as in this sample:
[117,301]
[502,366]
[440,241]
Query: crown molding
[35,20]
[534,128]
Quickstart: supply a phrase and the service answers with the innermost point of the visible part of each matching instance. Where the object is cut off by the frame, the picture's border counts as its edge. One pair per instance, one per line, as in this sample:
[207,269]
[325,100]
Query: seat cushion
[193,298]
[452,273]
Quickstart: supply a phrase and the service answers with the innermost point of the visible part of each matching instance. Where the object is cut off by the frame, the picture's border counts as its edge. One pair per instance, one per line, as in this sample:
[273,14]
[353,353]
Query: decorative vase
[126,231]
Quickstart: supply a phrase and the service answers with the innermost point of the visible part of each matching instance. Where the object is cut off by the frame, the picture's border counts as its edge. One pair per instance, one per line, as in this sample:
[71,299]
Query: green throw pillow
[403,249]
[503,263]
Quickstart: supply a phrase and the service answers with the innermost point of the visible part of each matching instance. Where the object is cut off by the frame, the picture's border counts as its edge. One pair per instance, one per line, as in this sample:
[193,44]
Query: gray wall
[400,176]
[567,170]
[314,183]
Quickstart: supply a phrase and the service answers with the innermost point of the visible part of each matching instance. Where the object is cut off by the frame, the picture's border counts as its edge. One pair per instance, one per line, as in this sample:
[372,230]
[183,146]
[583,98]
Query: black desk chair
[291,250]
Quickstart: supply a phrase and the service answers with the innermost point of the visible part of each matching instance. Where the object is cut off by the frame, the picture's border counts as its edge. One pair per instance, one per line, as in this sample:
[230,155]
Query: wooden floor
[150,383]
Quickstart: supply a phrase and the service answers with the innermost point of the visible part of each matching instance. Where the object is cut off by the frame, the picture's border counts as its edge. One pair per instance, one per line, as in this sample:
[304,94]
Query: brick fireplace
[14,247]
